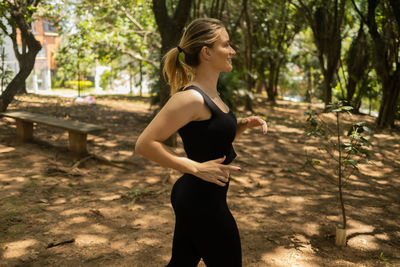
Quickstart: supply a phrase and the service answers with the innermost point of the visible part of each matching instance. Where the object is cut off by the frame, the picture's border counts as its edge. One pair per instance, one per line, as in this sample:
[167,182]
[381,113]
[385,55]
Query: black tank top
[210,139]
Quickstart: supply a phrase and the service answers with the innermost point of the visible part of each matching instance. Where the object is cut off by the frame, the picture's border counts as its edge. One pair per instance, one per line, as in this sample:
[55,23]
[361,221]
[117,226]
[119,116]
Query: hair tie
[179,49]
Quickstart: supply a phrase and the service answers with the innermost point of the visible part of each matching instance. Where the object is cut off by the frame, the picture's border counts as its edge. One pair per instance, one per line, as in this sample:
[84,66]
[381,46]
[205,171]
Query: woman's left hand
[254,121]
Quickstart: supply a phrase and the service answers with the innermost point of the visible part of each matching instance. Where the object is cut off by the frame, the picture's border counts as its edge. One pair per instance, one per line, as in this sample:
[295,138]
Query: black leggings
[205,228]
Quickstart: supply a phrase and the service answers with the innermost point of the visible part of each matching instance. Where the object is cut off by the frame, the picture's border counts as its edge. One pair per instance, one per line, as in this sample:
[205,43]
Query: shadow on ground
[114,210]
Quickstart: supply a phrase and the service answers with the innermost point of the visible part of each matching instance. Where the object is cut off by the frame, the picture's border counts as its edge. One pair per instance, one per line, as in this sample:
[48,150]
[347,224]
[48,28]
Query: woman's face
[221,53]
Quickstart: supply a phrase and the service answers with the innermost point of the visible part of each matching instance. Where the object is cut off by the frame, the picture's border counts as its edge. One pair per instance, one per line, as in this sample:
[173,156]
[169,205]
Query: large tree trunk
[271,86]
[248,59]
[328,79]
[16,84]
[327,23]
[387,111]
[171,31]
[357,63]
[26,58]
[385,60]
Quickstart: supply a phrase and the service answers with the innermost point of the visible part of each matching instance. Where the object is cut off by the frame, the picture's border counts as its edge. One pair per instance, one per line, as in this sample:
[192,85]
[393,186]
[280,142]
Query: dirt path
[119,214]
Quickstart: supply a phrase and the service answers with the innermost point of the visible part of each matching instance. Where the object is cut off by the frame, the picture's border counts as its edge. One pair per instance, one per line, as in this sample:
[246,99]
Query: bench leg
[77,142]
[24,130]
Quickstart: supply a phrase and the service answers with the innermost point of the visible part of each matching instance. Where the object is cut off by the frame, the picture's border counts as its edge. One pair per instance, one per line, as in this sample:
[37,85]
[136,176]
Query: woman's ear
[205,53]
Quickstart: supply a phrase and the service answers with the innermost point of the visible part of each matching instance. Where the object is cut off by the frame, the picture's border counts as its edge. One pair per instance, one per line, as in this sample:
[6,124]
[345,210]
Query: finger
[224,179]
[218,182]
[233,168]
[264,128]
[263,125]
[220,160]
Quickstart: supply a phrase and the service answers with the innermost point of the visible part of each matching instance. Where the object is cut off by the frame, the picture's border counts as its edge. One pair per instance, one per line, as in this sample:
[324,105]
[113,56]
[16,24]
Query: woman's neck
[206,79]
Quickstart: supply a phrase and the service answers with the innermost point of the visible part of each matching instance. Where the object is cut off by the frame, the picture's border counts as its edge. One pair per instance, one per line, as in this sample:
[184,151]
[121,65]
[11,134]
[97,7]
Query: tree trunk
[384,63]
[15,86]
[328,88]
[276,79]
[271,85]
[247,34]
[357,63]
[327,23]
[171,32]
[351,89]
[387,111]
[361,92]
[26,58]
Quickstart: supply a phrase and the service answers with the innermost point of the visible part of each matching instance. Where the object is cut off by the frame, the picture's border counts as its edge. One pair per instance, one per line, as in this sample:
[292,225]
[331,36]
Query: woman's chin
[228,69]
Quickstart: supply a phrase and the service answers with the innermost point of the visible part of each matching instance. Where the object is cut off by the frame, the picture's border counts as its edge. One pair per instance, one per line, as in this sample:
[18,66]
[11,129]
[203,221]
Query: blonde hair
[199,33]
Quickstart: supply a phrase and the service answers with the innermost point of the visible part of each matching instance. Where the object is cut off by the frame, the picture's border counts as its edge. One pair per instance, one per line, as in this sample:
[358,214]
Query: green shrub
[106,79]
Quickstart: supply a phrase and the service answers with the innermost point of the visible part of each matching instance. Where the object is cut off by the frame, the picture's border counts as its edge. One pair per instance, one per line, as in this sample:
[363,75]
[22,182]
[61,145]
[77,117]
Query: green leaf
[368,130]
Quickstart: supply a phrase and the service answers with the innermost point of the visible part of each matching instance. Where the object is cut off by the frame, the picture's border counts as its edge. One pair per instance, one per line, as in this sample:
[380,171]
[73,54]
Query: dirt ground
[113,208]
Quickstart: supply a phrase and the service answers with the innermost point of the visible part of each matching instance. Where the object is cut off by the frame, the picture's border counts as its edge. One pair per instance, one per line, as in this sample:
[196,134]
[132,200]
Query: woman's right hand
[214,171]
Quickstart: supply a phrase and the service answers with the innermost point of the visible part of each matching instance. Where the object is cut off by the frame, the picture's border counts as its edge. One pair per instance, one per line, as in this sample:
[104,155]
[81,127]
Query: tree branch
[139,57]
[134,21]
[359,12]
[4,28]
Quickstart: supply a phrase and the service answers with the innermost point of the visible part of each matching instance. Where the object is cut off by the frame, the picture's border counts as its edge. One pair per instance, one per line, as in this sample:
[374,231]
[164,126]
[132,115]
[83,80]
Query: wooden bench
[77,131]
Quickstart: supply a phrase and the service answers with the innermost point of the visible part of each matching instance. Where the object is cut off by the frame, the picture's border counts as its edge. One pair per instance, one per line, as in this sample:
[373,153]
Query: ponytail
[176,72]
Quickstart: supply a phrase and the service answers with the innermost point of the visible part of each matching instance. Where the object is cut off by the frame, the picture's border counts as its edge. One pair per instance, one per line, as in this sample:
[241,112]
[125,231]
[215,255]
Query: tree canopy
[318,50]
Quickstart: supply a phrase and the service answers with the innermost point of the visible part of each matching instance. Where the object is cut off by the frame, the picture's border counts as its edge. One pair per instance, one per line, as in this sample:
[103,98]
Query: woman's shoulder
[188,95]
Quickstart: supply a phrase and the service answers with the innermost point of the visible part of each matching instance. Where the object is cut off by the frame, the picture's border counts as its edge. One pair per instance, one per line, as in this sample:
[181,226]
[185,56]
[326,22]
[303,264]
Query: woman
[204,227]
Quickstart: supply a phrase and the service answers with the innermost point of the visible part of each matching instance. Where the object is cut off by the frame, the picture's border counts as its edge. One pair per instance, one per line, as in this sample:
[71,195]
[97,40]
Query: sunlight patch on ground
[383,236]
[5,149]
[136,207]
[282,257]
[153,180]
[325,196]
[386,137]
[18,248]
[88,240]
[378,172]
[110,197]
[285,129]
[74,220]
[101,228]
[126,183]
[364,242]
[125,246]
[7,178]
[309,148]
[110,144]
[127,153]
[149,221]
[148,241]
[61,200]
[110,212]
[70,212]
[296,199]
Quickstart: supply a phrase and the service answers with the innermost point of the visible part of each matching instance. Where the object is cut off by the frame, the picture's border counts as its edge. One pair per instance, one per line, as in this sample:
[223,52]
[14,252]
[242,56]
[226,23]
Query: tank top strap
[206,98]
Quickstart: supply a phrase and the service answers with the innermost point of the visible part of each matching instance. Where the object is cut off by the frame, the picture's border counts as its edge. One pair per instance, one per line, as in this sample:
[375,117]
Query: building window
[48,26]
